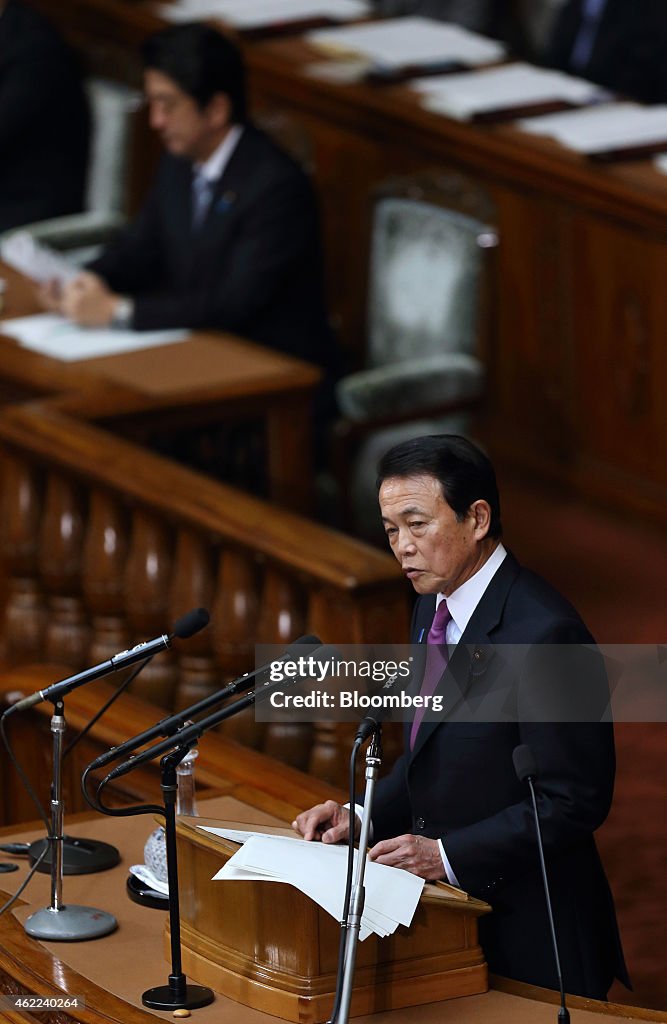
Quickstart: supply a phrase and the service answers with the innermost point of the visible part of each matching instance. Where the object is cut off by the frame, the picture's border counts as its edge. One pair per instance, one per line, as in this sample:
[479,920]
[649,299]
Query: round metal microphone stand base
[177,996]
[70,924]
[80,856]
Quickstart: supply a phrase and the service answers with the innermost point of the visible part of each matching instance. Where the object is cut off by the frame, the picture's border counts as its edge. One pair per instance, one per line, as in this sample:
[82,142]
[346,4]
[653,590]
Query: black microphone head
[524,761]
[190,623]
[294,647]
[368,726]
[322,653]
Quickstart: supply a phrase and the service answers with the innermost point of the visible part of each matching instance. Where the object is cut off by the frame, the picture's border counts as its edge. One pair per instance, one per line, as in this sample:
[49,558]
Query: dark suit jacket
[628,54]
[43,121]
[253,267]
[459,785]
[485,16]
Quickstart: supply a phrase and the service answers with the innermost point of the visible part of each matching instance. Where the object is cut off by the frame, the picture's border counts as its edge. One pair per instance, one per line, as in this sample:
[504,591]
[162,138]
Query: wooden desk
[111,973]
[197,382]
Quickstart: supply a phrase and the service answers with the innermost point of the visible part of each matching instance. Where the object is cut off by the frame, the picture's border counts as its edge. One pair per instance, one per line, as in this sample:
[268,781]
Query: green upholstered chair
[428,305]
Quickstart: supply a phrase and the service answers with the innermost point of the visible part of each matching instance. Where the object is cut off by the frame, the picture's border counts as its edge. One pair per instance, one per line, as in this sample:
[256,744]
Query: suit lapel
[489,611]
[178,211]
[477,635]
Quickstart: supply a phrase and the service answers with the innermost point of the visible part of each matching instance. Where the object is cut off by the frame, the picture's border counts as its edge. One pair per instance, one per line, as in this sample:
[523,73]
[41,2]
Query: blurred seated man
[618,44]
[228,237]
[43,121]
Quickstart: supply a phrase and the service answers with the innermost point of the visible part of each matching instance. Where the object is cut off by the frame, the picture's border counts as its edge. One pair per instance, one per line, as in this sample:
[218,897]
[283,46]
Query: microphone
[192,731]
[170,725]
[525,767]
[368,726]
[189,624]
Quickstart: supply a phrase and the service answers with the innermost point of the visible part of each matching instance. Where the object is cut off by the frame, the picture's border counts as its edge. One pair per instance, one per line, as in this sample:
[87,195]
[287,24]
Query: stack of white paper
[512,85]
[247,14]
[404,42]
[54,336]
[38,262]
[607,127]
[319,871]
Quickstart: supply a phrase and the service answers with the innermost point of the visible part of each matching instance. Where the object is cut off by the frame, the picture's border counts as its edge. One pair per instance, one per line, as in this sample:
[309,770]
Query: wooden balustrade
[104,543]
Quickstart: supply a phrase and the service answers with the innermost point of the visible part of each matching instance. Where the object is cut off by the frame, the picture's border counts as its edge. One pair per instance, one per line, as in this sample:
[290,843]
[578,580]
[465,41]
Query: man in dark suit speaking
[228,237]
[452,807]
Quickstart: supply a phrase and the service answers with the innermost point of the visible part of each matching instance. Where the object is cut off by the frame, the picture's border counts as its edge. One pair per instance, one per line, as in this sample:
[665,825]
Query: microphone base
[70,924]
[80,856]
[177,997]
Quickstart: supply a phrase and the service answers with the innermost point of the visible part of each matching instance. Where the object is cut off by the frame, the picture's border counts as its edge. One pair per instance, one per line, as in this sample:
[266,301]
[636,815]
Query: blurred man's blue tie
[591,15]
[202,190]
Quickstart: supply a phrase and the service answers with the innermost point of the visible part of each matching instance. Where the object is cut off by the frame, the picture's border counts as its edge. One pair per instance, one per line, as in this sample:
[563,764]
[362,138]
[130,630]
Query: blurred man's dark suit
[254,265]
[43,121]
[629,47]
[478,15]
[459,785]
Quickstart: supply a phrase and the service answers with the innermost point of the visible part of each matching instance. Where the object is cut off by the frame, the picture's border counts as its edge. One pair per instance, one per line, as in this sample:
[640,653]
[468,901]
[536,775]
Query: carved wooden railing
[104,544]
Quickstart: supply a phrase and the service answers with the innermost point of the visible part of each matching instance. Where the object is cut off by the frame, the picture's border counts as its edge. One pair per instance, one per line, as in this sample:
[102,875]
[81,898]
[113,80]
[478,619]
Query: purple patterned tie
[437,658]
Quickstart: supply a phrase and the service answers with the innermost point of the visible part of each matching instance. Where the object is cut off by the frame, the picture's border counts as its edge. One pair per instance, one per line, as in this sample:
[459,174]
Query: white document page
[318,871]
[258,13]
[240,836]
[401,42]
[511,85]
[609,126]
[38,262]
[54,336]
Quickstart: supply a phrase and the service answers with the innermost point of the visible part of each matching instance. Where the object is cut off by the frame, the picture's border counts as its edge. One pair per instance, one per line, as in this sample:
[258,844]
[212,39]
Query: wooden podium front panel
[112,972]
[270,947]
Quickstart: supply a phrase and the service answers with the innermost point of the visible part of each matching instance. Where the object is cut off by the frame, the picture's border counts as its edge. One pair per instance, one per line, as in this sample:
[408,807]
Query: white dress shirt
[213,168]
[463,601]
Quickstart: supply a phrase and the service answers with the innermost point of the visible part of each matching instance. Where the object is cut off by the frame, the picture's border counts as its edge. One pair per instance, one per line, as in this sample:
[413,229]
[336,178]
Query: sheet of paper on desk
[318,871]
[52,335]
[512,85]
[608,126]
[246,14]
[402,42]
[38,262]
[238,835]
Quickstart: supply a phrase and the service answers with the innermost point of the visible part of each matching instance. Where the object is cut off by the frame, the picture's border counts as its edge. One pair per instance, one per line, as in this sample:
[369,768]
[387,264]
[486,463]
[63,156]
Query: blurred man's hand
[50,295]
[88,302]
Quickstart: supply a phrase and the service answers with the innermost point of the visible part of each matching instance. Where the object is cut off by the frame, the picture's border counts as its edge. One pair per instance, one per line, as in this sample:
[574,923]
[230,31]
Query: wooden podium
[268,946]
